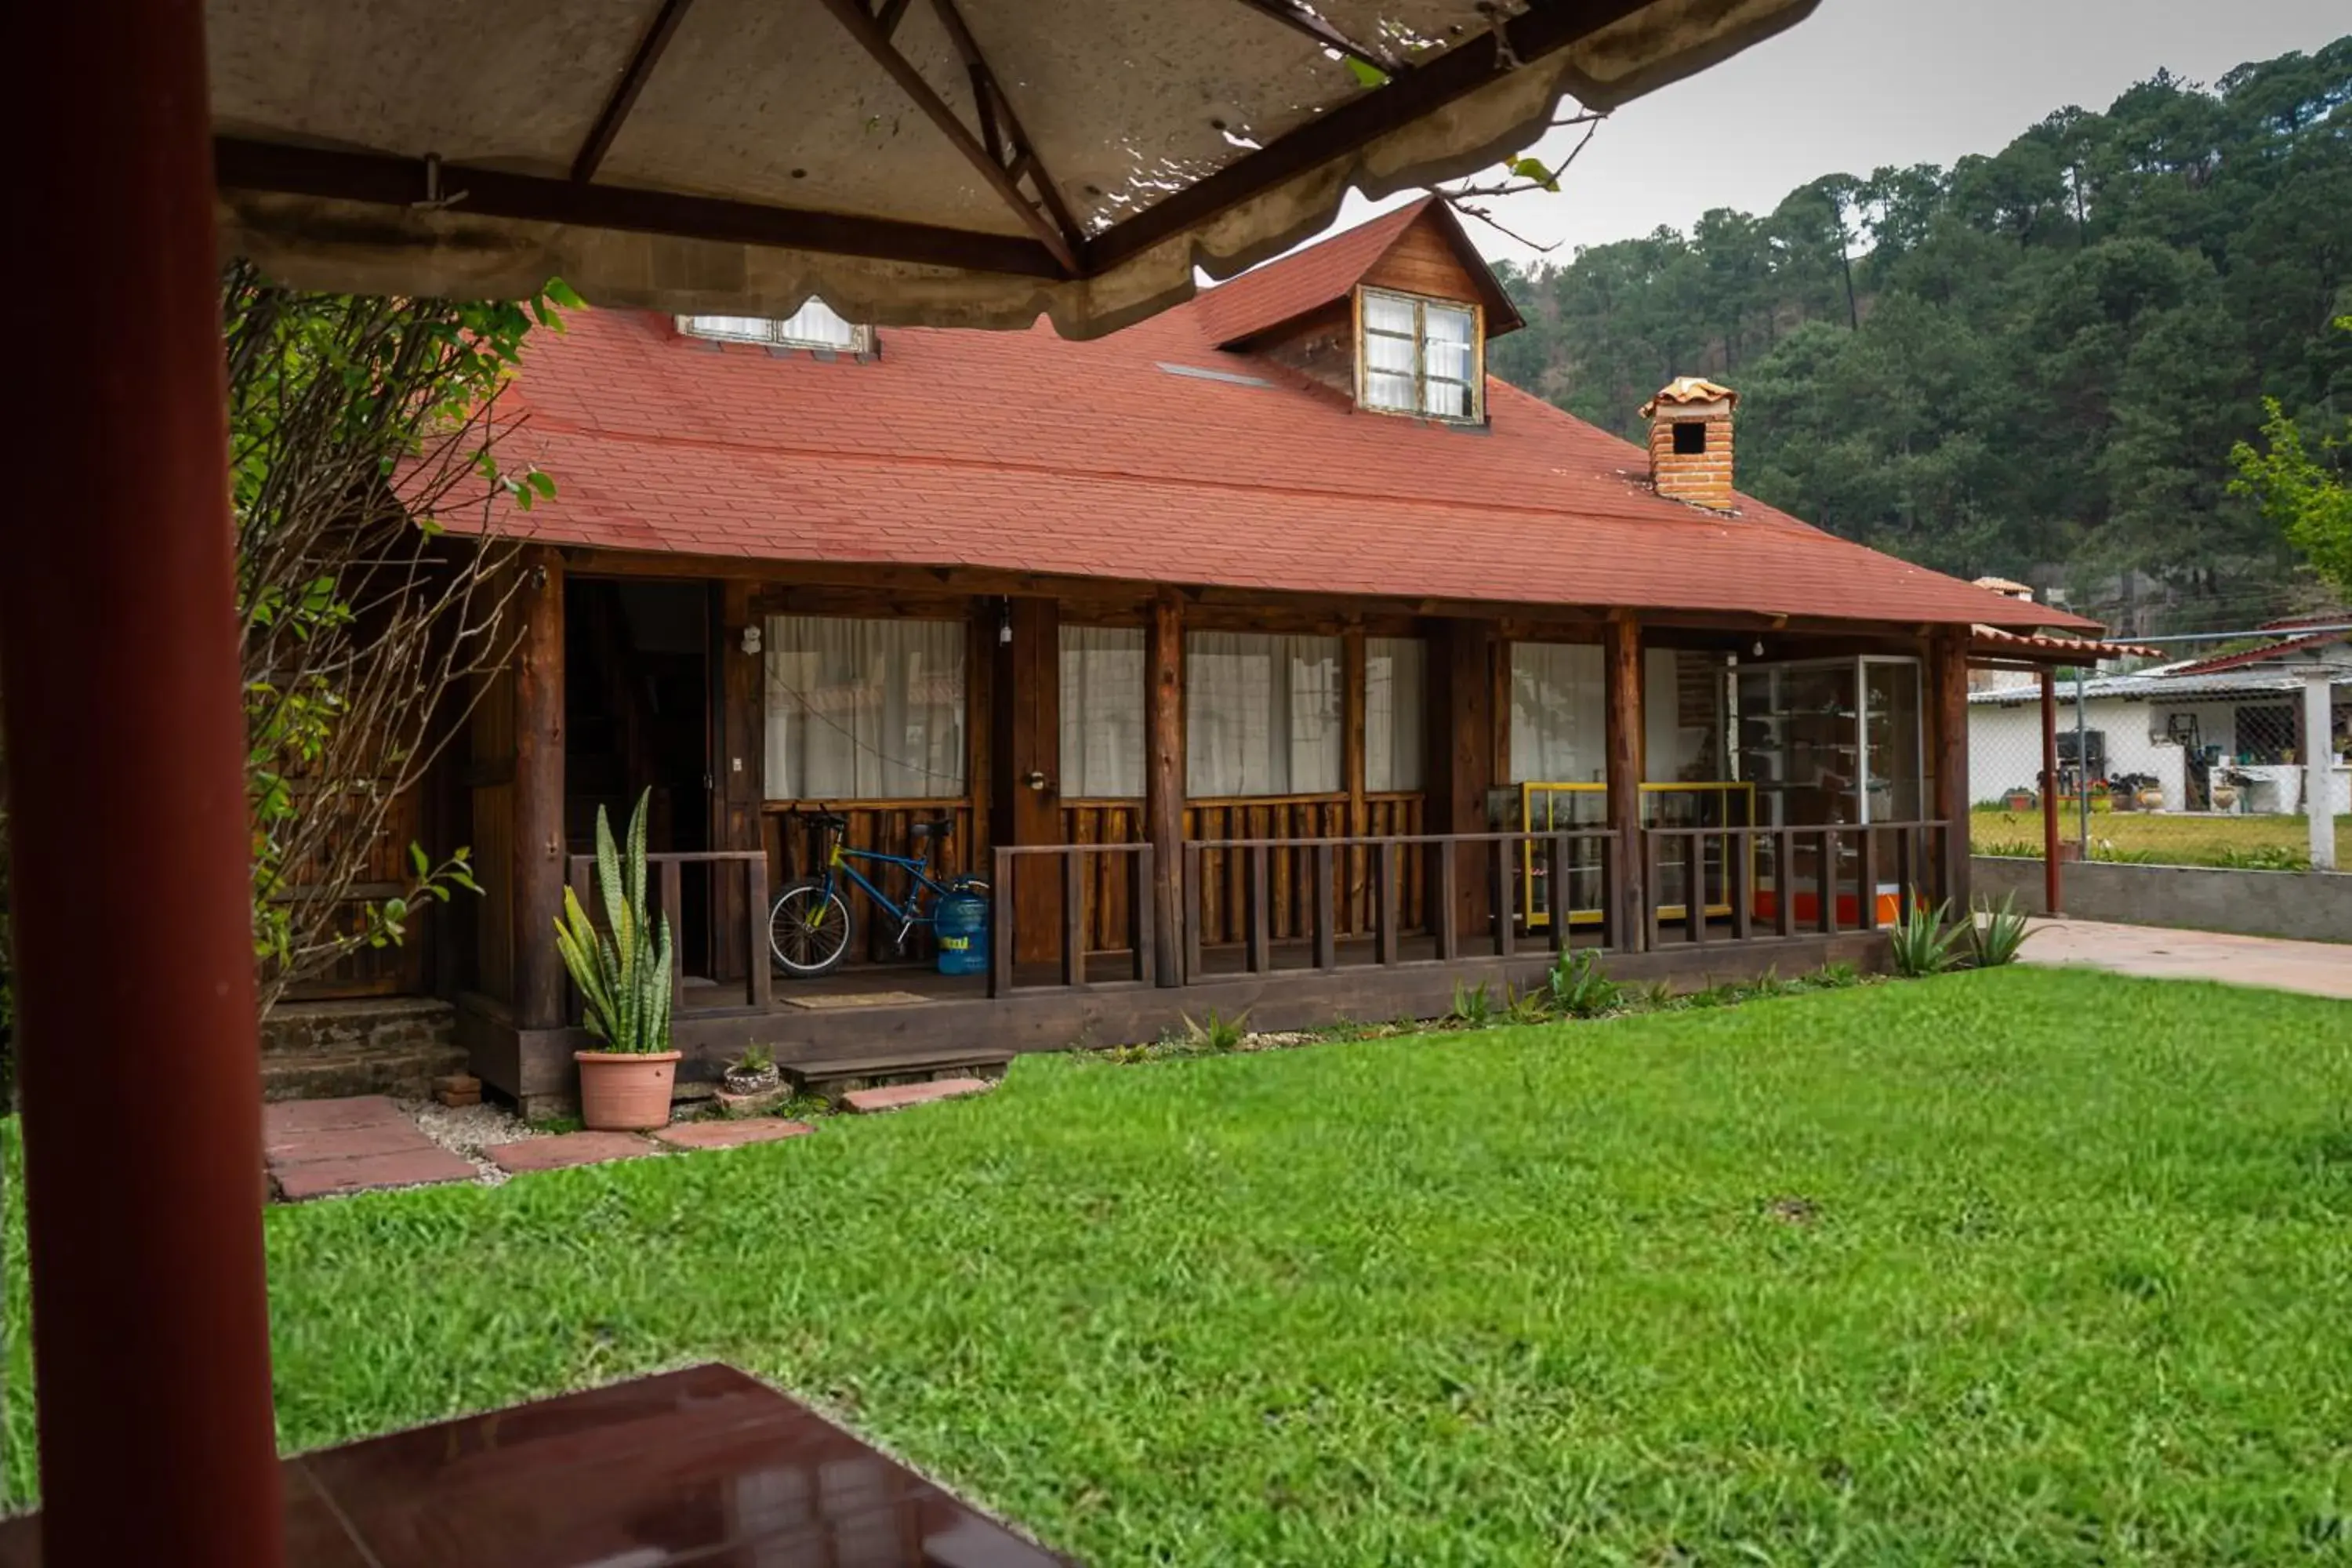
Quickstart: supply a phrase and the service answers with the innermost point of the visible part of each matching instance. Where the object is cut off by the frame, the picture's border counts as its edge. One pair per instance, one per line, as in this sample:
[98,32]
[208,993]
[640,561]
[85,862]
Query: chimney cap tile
[1688,389]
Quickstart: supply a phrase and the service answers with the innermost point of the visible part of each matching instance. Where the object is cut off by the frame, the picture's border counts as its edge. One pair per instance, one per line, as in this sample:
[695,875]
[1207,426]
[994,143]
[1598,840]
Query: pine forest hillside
[2033,363]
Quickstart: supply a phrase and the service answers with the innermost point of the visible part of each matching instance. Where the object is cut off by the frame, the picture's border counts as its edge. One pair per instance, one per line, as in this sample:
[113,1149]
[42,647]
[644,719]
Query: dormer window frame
[778,333]
[1420,340]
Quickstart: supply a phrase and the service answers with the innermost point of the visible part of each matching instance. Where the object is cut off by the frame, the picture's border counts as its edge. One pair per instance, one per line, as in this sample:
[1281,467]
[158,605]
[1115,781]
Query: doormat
[856,999]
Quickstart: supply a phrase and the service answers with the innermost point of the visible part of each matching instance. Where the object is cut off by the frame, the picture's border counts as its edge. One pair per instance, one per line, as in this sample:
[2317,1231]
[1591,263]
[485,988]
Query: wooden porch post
[1461,731]
[1621,736]
[1163,783]
[2050,873]
[538,829]
[1025,794]
[1947,672]
[132,894]
[738,765]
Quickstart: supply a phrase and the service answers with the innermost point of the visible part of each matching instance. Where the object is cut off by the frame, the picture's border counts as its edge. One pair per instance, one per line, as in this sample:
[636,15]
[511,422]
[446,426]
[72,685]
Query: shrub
[1577,988]
[1217,1036]
[1473,1007]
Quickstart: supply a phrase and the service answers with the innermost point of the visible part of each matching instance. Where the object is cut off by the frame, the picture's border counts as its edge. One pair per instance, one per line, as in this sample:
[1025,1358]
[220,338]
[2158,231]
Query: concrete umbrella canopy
[967,162]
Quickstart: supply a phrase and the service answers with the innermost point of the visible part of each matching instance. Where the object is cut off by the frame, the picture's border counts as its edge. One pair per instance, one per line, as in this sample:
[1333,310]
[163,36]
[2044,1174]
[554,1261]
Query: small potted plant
[622,973]
[753,1072]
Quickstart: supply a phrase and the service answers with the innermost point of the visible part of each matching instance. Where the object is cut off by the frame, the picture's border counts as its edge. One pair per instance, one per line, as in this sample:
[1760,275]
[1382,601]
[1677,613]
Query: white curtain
[1445,361]
[1390,350]
[817,323]
[1102,712]
[1396,676]
[1557,713]
[1261,715]
[864,709]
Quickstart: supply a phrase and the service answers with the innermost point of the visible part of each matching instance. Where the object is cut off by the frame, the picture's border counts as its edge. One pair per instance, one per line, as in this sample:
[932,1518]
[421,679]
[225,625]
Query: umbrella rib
[625,95]
[1296,16]
[862,26]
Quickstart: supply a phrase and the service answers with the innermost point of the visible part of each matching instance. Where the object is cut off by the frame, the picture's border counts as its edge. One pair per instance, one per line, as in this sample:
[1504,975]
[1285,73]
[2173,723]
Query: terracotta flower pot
[622,1091]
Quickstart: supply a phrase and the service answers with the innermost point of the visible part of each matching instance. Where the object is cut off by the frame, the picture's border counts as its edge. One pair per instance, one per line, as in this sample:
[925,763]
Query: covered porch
[1195,801]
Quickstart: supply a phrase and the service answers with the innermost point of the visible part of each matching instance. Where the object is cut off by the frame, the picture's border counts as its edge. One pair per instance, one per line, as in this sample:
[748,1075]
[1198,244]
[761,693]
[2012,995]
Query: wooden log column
[1621,738]
[1461,731]
[1163,783]
[539,836]
[1025,794]
[1947,706]
[738,764]
[139,1065]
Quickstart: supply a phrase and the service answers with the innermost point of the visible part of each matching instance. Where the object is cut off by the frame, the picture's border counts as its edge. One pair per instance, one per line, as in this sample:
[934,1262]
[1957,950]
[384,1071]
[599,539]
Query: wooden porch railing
[1906,849]
[1391,872]
[1079,934]
[666,871]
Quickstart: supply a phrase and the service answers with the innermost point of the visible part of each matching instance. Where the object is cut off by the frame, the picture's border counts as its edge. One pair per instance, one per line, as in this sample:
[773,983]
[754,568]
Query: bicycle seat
[827,819]
[941,827]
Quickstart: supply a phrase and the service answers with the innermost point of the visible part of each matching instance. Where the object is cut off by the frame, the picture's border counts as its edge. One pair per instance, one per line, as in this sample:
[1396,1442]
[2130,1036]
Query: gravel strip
[468,1130]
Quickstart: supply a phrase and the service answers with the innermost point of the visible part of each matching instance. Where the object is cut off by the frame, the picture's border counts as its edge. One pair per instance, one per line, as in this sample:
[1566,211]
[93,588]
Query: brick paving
[325,1148]
[730,1134]
[322,1148]
[898,1096]
[567,1150]
[2314,968]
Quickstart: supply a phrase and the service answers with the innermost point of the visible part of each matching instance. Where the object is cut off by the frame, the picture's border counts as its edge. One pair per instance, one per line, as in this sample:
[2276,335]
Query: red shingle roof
[1022,451]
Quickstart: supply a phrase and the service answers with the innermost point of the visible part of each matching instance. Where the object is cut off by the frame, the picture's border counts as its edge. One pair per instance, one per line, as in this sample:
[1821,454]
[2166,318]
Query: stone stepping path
[900,1096]
[325,1148]
[567,1150]
[730,1134]
[322,1148]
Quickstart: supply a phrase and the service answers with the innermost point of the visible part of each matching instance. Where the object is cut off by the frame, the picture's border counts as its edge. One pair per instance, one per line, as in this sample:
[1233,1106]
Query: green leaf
[1366,73]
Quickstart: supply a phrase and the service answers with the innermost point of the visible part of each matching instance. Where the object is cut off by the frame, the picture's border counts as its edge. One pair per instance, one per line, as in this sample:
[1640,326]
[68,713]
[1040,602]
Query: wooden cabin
[1264,656]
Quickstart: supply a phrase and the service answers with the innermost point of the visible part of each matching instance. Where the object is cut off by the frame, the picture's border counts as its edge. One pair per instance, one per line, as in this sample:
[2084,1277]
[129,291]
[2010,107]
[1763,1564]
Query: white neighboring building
[2180,723]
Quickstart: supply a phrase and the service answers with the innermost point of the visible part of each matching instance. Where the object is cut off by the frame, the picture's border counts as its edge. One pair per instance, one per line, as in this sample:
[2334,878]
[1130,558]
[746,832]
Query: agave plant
[1998,932]
[623,972]
[1924,940]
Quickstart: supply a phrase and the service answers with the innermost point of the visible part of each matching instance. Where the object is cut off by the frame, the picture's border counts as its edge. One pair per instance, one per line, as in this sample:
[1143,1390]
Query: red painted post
[2050,873]
[126,747]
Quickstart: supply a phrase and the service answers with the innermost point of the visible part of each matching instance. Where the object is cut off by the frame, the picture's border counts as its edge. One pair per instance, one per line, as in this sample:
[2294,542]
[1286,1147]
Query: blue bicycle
[810,925]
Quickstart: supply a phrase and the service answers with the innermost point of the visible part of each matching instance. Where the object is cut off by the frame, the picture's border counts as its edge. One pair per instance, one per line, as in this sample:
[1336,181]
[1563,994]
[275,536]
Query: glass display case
[1722,803]
[1831,740]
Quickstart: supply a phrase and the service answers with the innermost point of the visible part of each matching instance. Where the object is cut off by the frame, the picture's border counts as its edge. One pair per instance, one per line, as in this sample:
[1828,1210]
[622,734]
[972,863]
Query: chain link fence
[2197,759]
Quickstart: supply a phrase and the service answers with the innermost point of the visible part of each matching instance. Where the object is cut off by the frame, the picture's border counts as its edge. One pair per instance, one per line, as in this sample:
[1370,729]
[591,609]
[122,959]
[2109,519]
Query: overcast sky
[1863,83]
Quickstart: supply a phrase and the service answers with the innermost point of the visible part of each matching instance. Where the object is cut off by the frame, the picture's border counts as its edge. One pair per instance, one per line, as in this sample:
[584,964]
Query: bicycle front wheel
[808,928]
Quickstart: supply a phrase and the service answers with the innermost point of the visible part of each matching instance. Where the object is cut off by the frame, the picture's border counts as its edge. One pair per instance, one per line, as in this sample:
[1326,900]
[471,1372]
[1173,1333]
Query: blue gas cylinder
[962,925]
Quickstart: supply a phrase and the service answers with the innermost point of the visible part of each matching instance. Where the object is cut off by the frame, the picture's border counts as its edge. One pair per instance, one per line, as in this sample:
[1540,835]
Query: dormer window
[1420,356]
[816,325]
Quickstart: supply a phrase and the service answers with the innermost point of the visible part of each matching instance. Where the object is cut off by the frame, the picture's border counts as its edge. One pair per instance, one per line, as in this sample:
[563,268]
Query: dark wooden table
[704,1466]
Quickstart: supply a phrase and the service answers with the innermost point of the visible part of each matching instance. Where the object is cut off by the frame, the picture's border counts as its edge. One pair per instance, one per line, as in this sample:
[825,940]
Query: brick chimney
[1690,442]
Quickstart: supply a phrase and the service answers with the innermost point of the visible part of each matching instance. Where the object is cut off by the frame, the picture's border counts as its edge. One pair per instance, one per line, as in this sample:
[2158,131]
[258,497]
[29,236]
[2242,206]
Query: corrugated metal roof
[2149,684]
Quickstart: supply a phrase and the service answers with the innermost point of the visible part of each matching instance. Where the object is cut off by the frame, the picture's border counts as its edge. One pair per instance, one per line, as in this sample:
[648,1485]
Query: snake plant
[623,972]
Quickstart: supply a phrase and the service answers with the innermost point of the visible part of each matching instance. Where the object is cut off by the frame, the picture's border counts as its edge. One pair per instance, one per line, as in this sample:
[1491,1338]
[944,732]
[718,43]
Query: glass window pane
[1384,353]
[744,328]
[1385,391]
[1387,313]
[1557,713]
[1261,715]
[1396,674]
[1446,399]
[864,709]
[1102,712]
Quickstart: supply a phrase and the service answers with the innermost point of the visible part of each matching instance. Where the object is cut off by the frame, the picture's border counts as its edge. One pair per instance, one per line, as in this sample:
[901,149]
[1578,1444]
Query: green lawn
[2018,1265]
[2272,842]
